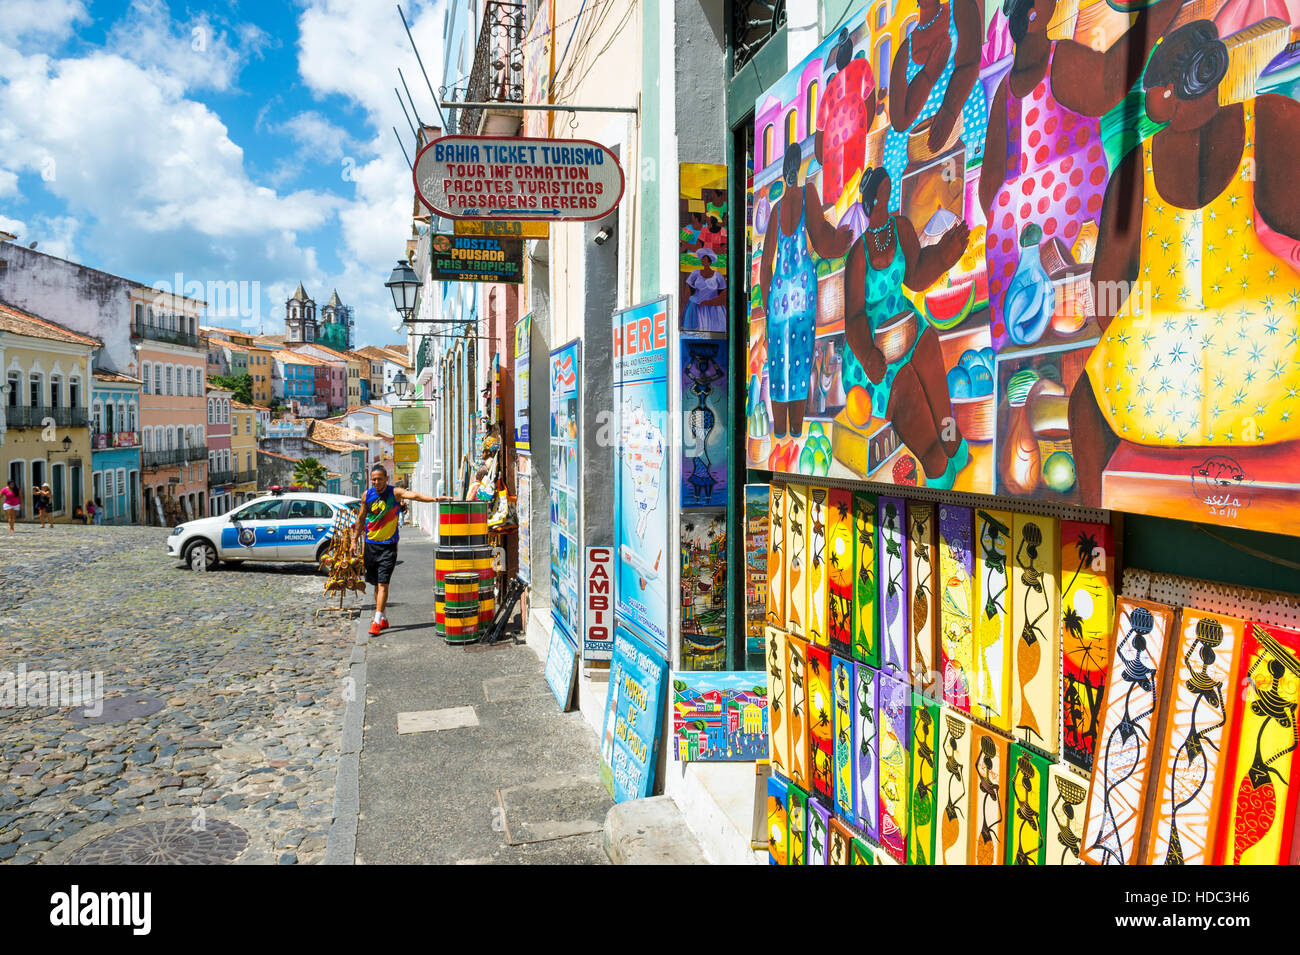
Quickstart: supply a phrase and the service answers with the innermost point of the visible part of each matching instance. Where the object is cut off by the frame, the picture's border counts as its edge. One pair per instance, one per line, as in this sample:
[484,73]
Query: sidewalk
[510,779]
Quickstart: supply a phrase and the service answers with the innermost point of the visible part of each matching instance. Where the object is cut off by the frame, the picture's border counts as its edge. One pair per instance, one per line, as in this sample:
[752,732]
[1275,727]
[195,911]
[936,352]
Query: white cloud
[46,21]
[8,184]
[317,137]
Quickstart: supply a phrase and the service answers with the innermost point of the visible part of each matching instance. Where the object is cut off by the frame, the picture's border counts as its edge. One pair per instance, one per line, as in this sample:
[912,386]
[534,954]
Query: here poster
[642,489]
[566,539]
[523,340]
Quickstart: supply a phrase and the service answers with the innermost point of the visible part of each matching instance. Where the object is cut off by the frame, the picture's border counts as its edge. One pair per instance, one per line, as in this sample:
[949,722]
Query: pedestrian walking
[90,511]
[12,502]
[41,497]
[376,535]
[99,512]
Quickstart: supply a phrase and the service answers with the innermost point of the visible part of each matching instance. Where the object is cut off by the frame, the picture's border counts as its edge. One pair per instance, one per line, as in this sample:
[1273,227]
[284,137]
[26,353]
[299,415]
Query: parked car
[281,526]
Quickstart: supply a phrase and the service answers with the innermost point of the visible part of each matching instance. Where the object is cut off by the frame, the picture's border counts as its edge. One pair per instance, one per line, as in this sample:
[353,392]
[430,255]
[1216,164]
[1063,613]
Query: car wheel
[201,556]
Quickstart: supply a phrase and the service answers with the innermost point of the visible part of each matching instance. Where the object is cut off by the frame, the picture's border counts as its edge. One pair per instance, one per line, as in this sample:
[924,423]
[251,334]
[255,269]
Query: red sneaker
[383,624]
[375,628]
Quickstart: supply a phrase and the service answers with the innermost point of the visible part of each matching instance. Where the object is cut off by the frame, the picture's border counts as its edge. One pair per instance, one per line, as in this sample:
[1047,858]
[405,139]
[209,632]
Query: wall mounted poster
[988,796]
[756,565]
[839,571]
[821,720]
[993,638]
[866,748]
[956,605]
[955,778]
[1122,769]
[1036,623]
[921,607]
[1087,619]
[818,581]
[703,585]
[1066,794]
[702,244]
[524,507]
[895,764]
[633,719]
[1027,808]
[642,487]
[776,579]
[565,379]
[929,247]
[924,789]
[894,598]
[866,629]
[819,830]
[523,346]
[778,820]
[720,717]
[796,673]
[842,735]
[704,422]
[796,560]
[1257,823]
[777,697]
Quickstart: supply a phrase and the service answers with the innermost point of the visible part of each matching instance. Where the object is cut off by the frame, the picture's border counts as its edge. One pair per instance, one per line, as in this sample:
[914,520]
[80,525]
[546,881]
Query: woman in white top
[706,309]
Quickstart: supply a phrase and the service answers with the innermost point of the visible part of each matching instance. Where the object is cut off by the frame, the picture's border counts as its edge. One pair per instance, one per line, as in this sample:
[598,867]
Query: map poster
[524,507]
[523,342]
[704,422]
[634,709]
[642,487]
[564,375]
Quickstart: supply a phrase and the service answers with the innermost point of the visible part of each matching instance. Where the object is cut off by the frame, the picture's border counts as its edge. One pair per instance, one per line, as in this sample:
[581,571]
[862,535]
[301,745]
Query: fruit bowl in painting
[897,337]
[975,417]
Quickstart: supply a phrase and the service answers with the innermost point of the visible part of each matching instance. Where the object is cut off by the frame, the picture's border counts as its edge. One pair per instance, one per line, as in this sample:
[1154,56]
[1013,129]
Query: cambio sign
[599,641]
[497,177]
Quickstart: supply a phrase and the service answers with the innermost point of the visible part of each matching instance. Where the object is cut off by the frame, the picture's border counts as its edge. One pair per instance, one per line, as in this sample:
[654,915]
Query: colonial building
[115,439]
[221,469]
[243,451]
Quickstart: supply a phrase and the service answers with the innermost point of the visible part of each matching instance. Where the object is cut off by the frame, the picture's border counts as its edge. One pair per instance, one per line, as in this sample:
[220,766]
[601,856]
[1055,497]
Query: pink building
[221,469]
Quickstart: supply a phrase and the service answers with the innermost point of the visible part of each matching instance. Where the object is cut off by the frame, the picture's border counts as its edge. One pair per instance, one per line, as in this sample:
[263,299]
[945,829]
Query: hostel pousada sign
[499,177]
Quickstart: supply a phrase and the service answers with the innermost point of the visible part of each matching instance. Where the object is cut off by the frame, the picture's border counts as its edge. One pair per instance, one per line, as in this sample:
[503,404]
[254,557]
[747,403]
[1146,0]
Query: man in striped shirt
[376,531]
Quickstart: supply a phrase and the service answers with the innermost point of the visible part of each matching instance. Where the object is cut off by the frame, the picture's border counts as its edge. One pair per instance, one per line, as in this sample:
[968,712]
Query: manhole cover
[165,842]
[118,709]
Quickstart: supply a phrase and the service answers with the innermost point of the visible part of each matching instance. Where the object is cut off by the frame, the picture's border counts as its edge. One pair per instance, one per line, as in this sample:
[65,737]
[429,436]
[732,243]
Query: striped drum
[439,604]
[462,621]
[462,586]
[463,523]
[487,598]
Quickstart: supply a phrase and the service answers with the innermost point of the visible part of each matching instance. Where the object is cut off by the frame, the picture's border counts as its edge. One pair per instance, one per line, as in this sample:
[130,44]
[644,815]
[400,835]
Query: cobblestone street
[240,694]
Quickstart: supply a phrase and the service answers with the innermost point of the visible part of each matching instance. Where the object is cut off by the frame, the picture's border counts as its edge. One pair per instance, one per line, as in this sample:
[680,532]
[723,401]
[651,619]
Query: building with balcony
[221,468]
[115,442]
[343,375]
[173,406]
[243,452]
[44,424]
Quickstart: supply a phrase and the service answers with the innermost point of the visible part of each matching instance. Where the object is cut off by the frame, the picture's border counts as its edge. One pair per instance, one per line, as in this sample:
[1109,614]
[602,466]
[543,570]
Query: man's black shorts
[380,561]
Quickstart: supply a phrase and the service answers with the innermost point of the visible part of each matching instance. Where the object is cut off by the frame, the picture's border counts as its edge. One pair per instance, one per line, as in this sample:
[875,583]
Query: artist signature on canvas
[1222,485]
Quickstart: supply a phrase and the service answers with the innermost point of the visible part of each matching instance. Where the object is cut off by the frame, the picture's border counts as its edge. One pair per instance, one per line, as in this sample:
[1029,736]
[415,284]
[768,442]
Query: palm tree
[310,473]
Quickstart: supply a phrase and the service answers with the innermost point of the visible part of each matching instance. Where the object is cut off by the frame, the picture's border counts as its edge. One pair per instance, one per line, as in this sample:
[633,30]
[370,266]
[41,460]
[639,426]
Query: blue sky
[245,142]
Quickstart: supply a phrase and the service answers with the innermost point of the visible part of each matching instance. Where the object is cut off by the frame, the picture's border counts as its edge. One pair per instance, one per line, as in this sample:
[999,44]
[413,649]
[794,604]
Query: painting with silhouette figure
[704,422]
[1046,249]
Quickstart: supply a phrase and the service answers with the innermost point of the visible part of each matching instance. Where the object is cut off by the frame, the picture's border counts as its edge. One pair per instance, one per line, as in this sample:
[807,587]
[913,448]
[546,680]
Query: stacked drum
[464,583]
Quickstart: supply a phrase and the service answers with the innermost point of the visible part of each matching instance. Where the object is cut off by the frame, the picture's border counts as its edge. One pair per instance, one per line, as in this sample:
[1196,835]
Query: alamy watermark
[56,688]
[226,300]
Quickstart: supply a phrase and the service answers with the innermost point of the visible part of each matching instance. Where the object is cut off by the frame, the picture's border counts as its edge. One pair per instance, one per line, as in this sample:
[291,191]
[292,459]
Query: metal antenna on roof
[403,145]
[422,70]
[419,122]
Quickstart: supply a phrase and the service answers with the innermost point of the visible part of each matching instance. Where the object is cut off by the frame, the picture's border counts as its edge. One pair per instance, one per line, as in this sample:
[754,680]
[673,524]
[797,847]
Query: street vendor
[376,534]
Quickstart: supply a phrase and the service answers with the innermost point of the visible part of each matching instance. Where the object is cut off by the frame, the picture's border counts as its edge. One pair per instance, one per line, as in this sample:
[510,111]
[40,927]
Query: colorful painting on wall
[1189,773]
[841,843]
[796,669]
[954,771]
[1036,623]
[994,639]
[1027,808]
[821,722]
[819,830]
[818,577]
[1257,824]
[703,583]
[1121,770]
[895,764]
[866,748]
[565,380]
[1066,794]
[778,715]
[756,566]
[796,531]
[776,579]
[866,632]
[719,717]
[922,605]
[861,853]
[704,422]
[924,781]
[842,736]
[957,603]
[894,599]
[1009,253]
[988,802]
[839,571]
[702,247]
[641,496]
[1087,620]
[798,826]
[778,821]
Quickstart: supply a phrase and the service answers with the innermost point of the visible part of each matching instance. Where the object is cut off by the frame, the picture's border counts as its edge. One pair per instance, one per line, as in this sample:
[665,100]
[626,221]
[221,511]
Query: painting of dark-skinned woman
[1082,221]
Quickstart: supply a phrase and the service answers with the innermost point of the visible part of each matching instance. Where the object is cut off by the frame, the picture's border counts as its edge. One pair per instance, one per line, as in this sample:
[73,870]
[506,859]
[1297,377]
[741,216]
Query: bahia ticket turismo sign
[506,177]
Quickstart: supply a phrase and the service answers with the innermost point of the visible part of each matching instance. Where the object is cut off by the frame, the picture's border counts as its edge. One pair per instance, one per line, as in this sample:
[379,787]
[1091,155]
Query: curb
[341,843]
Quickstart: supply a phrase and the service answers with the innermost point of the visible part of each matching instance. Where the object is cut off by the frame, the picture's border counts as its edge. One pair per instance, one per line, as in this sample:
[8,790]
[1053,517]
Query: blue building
[115,447]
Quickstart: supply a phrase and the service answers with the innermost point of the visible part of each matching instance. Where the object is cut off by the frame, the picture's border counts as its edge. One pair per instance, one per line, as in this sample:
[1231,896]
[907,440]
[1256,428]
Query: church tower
[300,317]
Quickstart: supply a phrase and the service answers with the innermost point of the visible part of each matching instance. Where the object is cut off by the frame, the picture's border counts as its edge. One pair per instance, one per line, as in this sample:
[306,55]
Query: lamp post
[403,283]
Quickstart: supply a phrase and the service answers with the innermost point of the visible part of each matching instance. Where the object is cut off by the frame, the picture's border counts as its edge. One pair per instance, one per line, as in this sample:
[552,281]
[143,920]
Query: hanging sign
[411,421]
[510,177]
[458,258]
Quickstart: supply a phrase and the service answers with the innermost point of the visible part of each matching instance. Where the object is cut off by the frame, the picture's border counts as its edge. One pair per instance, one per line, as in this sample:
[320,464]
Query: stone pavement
[233,757]
[516,785]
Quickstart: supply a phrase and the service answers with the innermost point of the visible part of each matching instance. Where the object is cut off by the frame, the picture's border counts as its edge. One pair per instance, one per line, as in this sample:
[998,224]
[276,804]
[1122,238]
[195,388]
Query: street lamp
[402,386]
[403,284]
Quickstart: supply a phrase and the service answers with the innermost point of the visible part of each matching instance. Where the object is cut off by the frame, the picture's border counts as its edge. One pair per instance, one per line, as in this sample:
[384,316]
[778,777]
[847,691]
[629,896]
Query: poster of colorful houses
[720,716]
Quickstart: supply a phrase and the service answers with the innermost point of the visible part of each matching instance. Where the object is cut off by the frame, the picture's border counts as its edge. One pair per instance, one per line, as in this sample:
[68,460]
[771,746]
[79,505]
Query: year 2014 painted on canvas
[1007,249]
[719,716]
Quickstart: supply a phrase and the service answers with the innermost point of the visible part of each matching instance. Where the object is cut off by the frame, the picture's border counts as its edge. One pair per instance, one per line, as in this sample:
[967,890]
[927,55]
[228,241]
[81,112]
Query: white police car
[282,526]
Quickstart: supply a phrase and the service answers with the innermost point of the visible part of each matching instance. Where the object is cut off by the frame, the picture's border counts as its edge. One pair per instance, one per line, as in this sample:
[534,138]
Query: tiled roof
[282,457]
[341,357]
[113,376]
[20,322]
